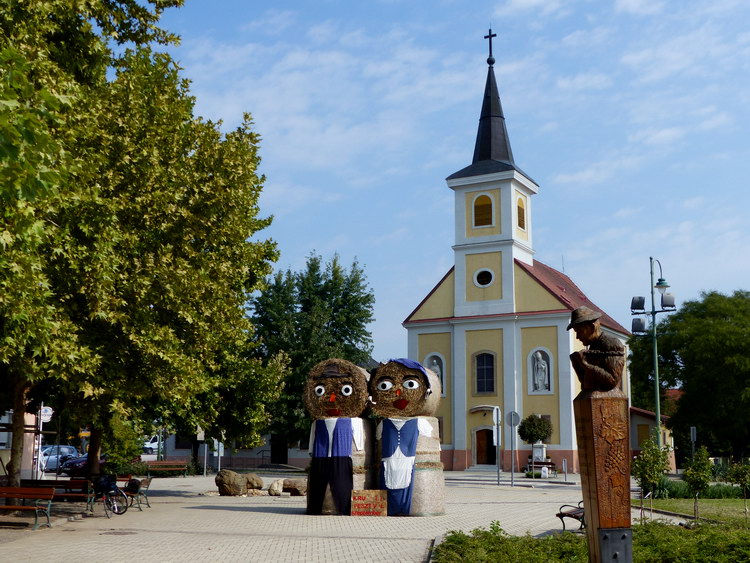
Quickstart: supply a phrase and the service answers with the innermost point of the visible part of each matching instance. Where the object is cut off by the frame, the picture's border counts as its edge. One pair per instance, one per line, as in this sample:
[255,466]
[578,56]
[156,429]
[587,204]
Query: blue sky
[631,115]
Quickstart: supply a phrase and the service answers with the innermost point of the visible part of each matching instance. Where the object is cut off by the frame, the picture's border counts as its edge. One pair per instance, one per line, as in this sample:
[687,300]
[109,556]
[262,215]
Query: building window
[521,211]
[483,278]
[484,372]
[483,211]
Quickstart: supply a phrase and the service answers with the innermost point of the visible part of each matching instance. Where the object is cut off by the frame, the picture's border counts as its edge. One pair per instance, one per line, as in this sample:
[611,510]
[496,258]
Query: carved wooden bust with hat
[600,365]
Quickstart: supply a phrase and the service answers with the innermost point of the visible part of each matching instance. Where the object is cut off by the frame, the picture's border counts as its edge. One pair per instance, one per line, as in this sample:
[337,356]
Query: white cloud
[639,7]
[693,53]
[545,7]
[584,81]
[660,136]
[272,22]
[694,203]
[588,37]
[598,172]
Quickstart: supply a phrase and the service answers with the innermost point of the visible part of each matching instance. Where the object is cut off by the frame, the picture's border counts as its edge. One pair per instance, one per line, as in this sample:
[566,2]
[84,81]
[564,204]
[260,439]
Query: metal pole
[512,455]
[205,458]
[497,455]
[656,358]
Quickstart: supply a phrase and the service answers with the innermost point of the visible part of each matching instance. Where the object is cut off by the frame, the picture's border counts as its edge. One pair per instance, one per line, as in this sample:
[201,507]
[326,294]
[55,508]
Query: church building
[494,326]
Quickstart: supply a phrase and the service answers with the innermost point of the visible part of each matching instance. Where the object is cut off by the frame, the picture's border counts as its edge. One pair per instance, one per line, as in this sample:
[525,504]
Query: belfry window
[483,211]
[521,210]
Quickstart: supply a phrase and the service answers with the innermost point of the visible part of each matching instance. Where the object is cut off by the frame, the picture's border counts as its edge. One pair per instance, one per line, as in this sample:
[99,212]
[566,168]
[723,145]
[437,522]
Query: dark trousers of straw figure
[331,466]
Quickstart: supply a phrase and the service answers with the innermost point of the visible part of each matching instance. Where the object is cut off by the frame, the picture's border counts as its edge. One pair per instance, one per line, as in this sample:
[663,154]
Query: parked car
[78,467]
[55,455]
[151,445]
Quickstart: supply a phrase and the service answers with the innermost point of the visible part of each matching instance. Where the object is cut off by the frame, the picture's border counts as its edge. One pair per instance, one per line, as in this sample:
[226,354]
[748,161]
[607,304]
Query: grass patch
[653,542]
[724,509]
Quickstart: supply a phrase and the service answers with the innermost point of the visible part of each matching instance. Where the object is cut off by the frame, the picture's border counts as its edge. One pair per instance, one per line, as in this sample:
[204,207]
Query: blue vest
[342,438]
[406,438]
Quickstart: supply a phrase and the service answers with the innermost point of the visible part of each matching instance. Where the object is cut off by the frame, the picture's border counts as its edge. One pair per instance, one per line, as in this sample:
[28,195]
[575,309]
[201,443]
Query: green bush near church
[652,542]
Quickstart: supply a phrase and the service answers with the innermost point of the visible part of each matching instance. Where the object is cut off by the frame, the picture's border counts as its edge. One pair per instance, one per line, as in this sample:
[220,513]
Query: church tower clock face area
[495,324]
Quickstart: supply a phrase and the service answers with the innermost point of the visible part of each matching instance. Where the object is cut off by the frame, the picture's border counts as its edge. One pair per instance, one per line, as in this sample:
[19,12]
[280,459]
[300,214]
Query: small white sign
[46,413]
[496,415]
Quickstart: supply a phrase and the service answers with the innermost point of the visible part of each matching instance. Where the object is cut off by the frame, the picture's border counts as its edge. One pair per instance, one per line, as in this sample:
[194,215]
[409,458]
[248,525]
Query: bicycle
[114,500]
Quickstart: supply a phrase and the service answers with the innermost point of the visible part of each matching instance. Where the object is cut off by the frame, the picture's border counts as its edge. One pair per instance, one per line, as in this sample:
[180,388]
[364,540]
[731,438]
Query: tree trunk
[95,450]
[20,390]
[695,508]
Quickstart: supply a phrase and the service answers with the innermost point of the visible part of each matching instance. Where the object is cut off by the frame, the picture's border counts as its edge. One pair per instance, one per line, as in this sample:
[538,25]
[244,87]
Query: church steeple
[492,136]
[492,152]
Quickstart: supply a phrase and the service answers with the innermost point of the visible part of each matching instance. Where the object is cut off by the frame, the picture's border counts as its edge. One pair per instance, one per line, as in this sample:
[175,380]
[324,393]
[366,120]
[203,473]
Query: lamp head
[661,285]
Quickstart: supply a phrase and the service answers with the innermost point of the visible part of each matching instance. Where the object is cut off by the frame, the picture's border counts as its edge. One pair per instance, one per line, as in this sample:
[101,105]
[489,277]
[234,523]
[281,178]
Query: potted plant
[532,430]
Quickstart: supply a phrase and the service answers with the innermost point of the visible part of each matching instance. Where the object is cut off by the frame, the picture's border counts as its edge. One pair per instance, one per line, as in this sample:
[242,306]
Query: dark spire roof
[492,152]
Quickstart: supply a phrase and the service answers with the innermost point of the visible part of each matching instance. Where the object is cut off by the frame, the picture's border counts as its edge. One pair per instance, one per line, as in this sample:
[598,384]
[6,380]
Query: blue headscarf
[411,364]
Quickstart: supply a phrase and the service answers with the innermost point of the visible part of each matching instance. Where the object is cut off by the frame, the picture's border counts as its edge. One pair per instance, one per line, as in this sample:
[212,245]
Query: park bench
[66,490]
[135,493]
[170,465]
[42,498]
[537,466]
[574,512]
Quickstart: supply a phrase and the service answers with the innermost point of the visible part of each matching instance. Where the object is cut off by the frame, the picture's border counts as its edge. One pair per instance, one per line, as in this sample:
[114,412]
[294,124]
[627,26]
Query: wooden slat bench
[167,465]
[66,490]
[135,496]
[42,498]
[574,512]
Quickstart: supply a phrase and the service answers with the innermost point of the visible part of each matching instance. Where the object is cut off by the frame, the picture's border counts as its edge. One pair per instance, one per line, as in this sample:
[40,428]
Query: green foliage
[739,475]
[705,344]
[482,545]
[649,467]
[122,443]
[698,475]
[319,313]
[653,541]
[669,488]
[534,428]
[128,229]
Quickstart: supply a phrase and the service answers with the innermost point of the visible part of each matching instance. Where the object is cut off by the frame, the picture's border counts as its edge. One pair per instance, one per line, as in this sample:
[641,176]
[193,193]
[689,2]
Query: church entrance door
[485,449]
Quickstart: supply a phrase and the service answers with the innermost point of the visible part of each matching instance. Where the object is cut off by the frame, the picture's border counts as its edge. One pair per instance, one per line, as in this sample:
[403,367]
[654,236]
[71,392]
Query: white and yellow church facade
[495,326]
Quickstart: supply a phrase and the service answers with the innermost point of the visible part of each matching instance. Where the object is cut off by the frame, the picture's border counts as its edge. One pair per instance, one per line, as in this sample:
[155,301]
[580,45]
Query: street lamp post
[637,307]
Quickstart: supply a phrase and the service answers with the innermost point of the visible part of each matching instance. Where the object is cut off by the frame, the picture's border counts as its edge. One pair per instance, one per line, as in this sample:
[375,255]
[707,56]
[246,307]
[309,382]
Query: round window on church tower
[484,278]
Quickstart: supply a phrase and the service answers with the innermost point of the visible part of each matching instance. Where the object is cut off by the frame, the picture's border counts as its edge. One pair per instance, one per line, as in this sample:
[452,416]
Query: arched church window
[484,372]
[483,211]
[521,211]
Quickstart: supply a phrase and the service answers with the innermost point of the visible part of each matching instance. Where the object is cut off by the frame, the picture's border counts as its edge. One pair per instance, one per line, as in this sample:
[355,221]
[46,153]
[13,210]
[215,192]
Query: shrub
[534,428]
[653,541]
[649,467]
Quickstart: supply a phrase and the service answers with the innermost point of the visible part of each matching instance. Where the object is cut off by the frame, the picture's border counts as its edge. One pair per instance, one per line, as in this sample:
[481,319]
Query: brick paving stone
[185,523]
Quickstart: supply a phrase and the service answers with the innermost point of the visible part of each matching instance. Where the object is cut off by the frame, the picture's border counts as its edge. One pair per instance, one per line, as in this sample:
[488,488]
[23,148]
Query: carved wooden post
[602,430]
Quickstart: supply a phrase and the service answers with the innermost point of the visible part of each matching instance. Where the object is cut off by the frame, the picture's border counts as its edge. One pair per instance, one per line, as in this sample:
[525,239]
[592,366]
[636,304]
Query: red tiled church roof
[567,292]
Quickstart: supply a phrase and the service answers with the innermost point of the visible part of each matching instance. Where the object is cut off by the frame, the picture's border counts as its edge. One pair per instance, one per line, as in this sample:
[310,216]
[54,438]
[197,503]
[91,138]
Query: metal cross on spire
[490,35]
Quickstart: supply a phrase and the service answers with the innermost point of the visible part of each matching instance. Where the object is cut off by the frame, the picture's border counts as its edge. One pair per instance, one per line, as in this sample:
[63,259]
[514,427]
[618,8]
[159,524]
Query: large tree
[50,54]
[320,312]
[136,221]
[703,350]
